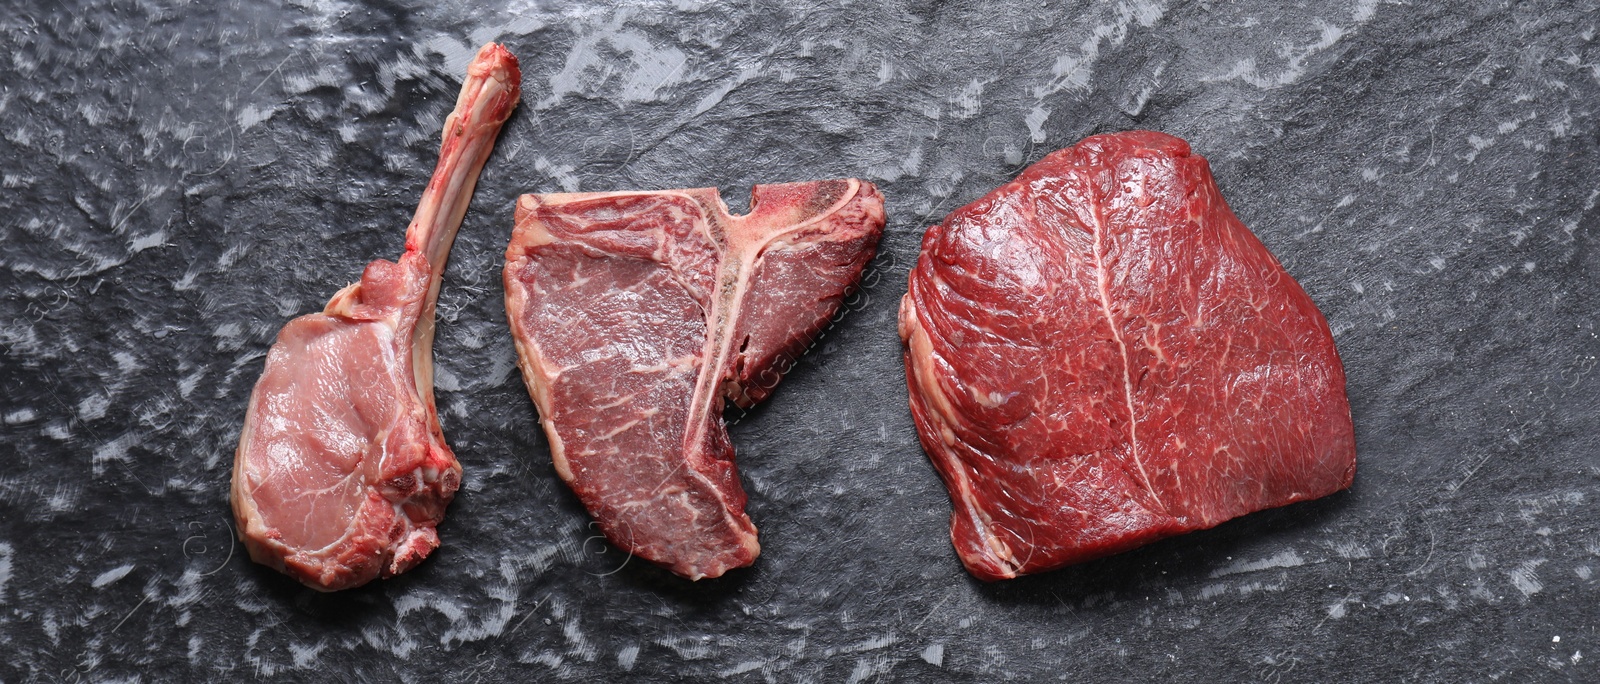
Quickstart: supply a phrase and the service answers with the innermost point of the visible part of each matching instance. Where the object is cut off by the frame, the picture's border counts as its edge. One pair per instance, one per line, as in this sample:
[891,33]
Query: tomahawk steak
[342,472]
[1101,355]
[636,314]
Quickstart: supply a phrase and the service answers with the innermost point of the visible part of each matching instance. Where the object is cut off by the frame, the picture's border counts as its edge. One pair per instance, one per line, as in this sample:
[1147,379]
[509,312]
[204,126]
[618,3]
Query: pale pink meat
[637,314]
[342,472]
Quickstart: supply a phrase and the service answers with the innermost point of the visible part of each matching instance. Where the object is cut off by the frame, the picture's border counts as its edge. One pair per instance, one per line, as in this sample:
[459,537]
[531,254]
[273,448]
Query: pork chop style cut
[342,472]
[1101,355]
[638,314]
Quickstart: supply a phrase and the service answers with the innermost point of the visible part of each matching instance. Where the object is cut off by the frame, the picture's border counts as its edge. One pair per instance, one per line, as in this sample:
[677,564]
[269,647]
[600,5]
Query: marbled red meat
[1101,355]
[637,314]
[342,472]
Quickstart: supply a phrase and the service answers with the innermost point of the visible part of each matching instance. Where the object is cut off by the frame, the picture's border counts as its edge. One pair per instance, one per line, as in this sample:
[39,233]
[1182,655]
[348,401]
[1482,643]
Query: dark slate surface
[179,179]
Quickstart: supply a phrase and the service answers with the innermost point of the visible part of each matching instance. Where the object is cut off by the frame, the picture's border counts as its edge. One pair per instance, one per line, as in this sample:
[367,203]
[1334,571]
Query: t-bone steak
[342,472]
[1101,355]
[637,314]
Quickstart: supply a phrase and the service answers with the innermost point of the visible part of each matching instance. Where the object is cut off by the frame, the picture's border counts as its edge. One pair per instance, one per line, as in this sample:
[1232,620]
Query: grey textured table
[179,179]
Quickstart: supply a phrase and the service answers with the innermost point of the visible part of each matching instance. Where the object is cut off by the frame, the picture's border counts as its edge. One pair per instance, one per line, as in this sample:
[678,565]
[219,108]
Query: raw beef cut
[1101,355]
[636,314]
[342,472]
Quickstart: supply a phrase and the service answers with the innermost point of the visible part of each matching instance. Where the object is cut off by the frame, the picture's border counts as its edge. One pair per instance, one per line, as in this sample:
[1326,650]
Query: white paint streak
[250,115]
[1285,559]
[5,569]
[562,173]
[592,65]
[1072,71]
[627,656]
[1247,71]
[93,407]
[1035,120]
[909,164]
[519,26]
[1365,9]
[306,656]
[444,380]
[876,643]
[885,71]
[1336,611]
[457,55]
[741,668]
[111,575]
[1526,578]
[969,101]
[714,97]
[114,450]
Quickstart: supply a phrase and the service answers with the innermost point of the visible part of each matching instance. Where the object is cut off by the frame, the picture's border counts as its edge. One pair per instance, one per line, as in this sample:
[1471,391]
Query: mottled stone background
[178,179]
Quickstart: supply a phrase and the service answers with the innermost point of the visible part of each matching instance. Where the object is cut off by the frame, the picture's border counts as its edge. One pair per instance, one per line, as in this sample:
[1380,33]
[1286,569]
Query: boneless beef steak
[342,472]
[637,314]
[1101,355]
